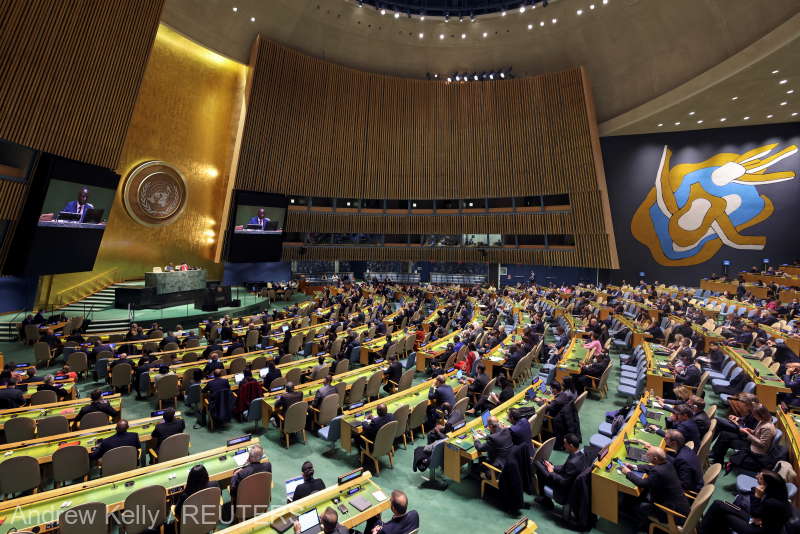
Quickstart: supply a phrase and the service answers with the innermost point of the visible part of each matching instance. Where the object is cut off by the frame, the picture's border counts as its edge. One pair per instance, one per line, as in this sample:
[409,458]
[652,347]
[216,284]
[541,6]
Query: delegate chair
[382,446]
[253,496]
[87,518]
[327,410]
[119,460]
[690,521]
[44,396]
[175,446]
[19,429]
[51,426]
[148,510]
[294,421]
[206,500]
[18,475]
[93,420]
[69,463]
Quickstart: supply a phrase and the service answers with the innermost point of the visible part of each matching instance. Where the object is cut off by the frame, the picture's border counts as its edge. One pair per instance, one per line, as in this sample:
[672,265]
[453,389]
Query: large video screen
[64,217]
[73,205]
[256,228]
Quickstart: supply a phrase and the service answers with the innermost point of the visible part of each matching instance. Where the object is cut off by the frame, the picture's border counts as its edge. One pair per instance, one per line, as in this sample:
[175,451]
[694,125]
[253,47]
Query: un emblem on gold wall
[154,193]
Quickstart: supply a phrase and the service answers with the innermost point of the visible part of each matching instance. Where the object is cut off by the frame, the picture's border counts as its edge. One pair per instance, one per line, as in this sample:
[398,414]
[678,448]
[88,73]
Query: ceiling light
[397,15]
[579,12]
[783,82]
[735,98]
[463,35]
[235,9]
[522,9]
[591,6]
[770,116]
[422,18]
[503,13]
[383,11]
[475,77]
[530,26]
[441,36]
[723,119]
[784,103]
[485,34]
[502,75]
[449,79]
[700,121]
[461,18]
[458,78]
[678,123]
[794,114]
[746,118]
[691,113]
[491,76]
[421,35]
[554,21]
[413,204]
[252,19]
[776,71]
[541,23]
[790,91]
[605,2]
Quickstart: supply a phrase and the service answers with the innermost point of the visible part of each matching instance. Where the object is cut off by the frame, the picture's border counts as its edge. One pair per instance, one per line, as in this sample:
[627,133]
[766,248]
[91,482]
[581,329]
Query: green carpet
[456,509]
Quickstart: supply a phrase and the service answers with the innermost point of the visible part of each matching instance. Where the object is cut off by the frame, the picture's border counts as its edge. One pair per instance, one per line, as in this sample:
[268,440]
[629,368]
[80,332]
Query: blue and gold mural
[694,209]
[685,202]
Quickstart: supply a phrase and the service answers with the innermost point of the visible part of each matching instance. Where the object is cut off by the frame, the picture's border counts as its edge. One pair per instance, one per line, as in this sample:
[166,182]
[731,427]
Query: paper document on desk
[379,495]
[241,458]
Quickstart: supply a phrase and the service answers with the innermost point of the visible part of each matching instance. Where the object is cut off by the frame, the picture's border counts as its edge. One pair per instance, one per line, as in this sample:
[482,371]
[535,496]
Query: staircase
[102,300]
[107,326]
[8,331]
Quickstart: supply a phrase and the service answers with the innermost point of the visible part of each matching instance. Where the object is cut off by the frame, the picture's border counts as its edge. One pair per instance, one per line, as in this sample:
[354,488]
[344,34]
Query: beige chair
[259,362]
[405,380]
[401,415]
[357,390]
[286,358]
[705,444]
[341,390]
[20,429]
[44,396]
[237,350]
[171,346]
[342,366]
[251,339]
[192,343]
[146,510]
[119,460]
[382,446]
[121,376]
[461,392]
[18,475]
[278,382]
[710,476]
[78,362]
[88,518]
[207,500]
[52,426]
[69,463]
[93,420]
[328,409]
[336,347]
[580,400]
[32,334]
[600,385]
[537,422]
[167,390]
[373,388]
[42,354]
[253,496]
[190,357]
[460,406]
[417,419]
[321,373]
[294,375]
[690,520]
[294,421]
[175,446]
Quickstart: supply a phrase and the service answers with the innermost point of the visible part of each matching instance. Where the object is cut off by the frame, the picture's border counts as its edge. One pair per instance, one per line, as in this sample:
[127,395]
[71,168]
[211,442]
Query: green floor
[457,509]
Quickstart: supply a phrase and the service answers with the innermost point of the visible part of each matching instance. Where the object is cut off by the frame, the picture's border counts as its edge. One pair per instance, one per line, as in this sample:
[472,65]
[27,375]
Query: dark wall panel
[762,202]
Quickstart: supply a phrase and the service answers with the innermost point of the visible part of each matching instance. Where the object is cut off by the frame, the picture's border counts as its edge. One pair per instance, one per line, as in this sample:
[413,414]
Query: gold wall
[187,115]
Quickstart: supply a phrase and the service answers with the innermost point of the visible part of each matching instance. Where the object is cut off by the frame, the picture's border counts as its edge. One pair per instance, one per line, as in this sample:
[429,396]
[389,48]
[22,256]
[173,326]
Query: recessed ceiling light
[252,19]
[723,119]
[678,123]
[605,2]
[554,21]
[421,35]
[522,9]
[530,26]
[770,116]
[579,12]
[700,121]
[746,118]
[782,82]
[397,15]
[235,9]
[463,35]
[691,113]
[794,114]
[441,36]
[591,6]
[734,98]
[790,91]
[776,71]
[485,34]
[784,103]
[503,13]
[660,124]
[541,23]
[422,18]
[383,11]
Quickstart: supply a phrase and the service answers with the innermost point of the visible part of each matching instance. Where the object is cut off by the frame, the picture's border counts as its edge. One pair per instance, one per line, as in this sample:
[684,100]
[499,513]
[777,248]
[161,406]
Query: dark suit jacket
[664,485]
[443,394]
[232,347]
[99,406]
[477,386]
[563,476]
[497,447]
[687,465]
[216,384]
[561,400]
[307,488]
[117,440]
[702,422]
[211,348]
[164,430]
[521,432]
[371,428]
[271,375]
[690,376]
[394,372]
[11,398]
[226,333]
[246,471]
[403,524]
[211,365]
[286,400]
[323,392]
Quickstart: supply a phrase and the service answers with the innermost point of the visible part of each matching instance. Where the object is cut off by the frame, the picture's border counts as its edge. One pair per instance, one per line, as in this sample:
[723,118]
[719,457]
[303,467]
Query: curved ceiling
[633,50]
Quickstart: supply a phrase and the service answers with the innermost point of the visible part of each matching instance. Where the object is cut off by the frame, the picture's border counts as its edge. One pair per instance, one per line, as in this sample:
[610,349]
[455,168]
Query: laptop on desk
[632,452]
[309,522]
[93,216]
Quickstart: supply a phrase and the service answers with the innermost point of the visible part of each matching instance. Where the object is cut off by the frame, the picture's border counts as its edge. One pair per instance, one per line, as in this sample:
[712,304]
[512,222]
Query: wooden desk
[607,485]
[369,490]
[638,335]
[496,357]
[768,384]
[772,279]
[657,375]
[68,409]
[792,341]
[434,349]
[790,424]
[460,446]
[574,355]
[352,420]
[113,490]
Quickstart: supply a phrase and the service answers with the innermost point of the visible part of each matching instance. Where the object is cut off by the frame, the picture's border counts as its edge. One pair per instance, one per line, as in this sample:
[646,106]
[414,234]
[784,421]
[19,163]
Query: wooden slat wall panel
[70,72]
[11,199]
[318,129]
[544,223]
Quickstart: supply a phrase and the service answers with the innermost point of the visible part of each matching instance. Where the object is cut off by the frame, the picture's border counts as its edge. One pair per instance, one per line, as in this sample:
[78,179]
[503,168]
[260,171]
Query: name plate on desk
[173,282]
